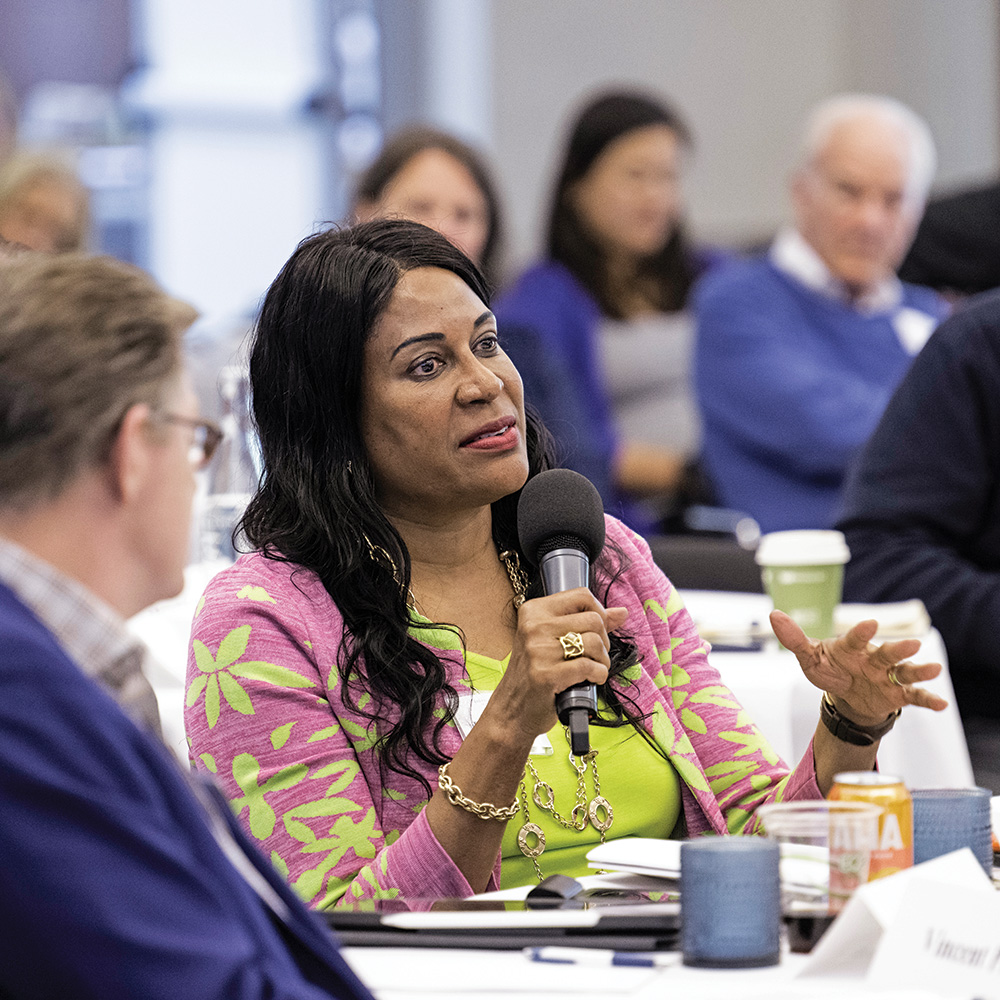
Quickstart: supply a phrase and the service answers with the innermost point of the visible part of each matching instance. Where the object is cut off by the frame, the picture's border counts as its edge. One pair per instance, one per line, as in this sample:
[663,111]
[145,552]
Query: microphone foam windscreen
[560,509]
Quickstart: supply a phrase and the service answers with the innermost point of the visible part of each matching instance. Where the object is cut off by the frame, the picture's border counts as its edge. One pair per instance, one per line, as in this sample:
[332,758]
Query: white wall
[744,73]
[457,63]
[942,57]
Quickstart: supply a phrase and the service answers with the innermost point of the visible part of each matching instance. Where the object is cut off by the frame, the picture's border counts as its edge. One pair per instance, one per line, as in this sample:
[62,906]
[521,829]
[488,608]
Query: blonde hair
[23,171]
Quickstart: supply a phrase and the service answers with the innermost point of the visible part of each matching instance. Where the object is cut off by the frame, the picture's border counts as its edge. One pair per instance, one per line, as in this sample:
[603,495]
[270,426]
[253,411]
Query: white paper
[641,855]
[945,937]
[608,880]
[900,619]
[848,947]
[803,868]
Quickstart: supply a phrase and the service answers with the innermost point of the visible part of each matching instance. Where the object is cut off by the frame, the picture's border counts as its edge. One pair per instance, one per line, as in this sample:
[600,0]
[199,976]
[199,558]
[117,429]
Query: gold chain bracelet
[484,810]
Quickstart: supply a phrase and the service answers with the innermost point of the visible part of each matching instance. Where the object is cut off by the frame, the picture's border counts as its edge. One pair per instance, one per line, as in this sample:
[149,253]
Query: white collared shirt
[792,255]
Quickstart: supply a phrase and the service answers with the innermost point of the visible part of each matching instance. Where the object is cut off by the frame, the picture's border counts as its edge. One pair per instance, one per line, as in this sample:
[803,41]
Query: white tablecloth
[926,749]
[412,973]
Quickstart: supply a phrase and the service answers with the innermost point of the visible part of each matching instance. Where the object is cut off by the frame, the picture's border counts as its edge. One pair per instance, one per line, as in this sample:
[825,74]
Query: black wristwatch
[850,732]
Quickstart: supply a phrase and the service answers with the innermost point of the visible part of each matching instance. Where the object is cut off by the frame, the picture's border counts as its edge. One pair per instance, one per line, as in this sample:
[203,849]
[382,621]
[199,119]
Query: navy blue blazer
[112,883]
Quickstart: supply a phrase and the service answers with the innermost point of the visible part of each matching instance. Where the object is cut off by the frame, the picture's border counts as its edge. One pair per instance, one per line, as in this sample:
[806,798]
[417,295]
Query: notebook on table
[622,921]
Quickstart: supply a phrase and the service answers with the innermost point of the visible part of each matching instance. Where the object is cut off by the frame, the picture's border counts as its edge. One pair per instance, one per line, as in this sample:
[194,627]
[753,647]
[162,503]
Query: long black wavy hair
[316,504]
[670,272]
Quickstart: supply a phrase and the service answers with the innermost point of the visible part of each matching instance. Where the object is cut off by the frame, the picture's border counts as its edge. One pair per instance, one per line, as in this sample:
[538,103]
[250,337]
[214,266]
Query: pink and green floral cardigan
[264,714]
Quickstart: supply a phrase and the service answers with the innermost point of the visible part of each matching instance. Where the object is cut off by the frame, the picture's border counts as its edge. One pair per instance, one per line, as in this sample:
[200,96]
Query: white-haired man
[121,877]
[799,352]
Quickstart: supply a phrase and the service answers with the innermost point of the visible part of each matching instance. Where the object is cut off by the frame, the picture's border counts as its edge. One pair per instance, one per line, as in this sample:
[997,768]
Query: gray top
[647,370]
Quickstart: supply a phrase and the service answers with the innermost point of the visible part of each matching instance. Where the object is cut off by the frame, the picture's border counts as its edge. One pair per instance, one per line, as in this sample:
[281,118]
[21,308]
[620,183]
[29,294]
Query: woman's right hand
[524,701]
[490,763]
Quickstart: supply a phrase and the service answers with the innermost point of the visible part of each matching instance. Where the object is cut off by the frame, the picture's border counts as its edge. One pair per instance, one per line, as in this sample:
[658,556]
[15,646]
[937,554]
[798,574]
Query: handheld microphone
[560,524]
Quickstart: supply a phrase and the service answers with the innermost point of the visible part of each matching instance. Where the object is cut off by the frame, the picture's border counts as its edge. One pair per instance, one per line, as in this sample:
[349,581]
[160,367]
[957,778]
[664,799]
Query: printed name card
[945,938]
[910,930]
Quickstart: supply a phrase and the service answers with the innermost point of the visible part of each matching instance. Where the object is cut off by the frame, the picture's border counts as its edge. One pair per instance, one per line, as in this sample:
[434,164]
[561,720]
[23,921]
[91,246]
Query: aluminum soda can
[895,827]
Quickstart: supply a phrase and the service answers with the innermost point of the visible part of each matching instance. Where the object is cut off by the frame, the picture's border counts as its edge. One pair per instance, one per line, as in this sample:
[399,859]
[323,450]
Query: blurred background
[212,135]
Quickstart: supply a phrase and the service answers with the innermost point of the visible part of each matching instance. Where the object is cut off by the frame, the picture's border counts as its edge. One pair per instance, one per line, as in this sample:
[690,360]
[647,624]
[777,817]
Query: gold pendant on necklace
[526,831]
[543,795]
[597,803]
[598,812]
[578,817]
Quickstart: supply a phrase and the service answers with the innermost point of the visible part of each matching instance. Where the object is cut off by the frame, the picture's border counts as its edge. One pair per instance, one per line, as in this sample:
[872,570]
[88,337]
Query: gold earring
[379,555]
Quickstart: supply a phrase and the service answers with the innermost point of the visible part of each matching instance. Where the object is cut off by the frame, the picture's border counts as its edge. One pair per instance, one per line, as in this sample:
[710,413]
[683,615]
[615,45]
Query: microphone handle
[566,569]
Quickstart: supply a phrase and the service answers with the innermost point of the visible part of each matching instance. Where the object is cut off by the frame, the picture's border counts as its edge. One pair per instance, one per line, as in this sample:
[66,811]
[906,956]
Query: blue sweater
[112,883]
[790,385]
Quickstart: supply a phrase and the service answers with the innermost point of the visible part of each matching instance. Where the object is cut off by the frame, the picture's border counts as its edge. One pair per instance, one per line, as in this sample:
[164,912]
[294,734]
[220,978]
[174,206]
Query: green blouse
[642,788]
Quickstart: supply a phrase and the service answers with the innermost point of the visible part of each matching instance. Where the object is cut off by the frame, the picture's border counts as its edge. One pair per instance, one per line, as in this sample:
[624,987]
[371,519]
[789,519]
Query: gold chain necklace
[518,578]
[531,837]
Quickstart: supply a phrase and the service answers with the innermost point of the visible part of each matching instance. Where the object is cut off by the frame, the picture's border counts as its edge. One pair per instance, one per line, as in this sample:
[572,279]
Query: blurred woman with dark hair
[433,177]
[611,301]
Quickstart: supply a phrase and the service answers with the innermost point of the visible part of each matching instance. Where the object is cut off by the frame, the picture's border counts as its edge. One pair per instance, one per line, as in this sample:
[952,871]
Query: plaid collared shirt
[91,633]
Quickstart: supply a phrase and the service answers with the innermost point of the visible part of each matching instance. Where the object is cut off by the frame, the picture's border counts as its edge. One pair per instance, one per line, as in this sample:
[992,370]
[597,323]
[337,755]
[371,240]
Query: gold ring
[895,680]
[572,645]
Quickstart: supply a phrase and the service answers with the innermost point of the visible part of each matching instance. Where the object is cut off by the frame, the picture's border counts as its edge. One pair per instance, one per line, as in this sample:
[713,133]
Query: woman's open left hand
[870,681]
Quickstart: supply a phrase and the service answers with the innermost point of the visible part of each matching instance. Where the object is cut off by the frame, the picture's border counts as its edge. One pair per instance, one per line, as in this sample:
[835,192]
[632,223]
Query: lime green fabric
[641,786]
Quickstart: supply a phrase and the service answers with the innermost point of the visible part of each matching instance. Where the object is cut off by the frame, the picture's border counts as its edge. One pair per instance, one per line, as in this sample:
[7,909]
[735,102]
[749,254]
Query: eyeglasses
[207,437]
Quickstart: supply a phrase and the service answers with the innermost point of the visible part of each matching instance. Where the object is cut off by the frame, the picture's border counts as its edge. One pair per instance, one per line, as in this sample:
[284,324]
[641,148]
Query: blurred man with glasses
[122,875]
